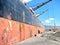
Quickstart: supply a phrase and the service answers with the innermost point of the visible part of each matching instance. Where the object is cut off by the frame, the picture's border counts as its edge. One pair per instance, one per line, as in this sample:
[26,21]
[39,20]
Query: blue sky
[53,13]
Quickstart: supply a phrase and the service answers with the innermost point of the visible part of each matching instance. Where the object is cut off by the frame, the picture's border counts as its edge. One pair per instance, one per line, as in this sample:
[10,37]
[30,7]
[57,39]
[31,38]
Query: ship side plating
[17,23]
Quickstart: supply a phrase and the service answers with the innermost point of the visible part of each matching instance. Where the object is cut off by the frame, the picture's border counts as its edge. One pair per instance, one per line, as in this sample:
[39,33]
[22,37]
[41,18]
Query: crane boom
[41,13]
[41,5]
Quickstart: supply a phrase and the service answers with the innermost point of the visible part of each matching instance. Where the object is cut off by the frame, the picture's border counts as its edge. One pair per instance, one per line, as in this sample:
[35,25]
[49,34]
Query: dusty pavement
[38,40]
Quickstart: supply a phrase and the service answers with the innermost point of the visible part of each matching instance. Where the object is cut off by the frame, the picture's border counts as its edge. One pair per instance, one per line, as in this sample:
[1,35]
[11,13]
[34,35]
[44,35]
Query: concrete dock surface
[38,40]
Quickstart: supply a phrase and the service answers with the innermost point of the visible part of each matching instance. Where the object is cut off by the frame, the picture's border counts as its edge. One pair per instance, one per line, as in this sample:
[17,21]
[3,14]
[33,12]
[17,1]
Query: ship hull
[12,32]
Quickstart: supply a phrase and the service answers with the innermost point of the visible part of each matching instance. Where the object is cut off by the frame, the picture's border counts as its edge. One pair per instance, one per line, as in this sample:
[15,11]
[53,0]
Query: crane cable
[53,14]
[54,23]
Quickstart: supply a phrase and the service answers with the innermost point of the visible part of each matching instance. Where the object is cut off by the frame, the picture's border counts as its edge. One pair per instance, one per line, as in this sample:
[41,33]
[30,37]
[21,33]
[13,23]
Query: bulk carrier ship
[17,22]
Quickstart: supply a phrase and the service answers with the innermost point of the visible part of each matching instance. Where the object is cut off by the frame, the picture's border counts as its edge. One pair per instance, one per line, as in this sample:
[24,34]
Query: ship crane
[41,5]
[41,13]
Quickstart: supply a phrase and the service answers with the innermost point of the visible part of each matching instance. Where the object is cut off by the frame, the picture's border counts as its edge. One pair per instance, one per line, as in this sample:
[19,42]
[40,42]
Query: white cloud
[49,20]
[26,1]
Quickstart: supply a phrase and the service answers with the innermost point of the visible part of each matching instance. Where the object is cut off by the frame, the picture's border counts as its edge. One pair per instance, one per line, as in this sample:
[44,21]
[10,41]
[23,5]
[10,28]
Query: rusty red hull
[12,32]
